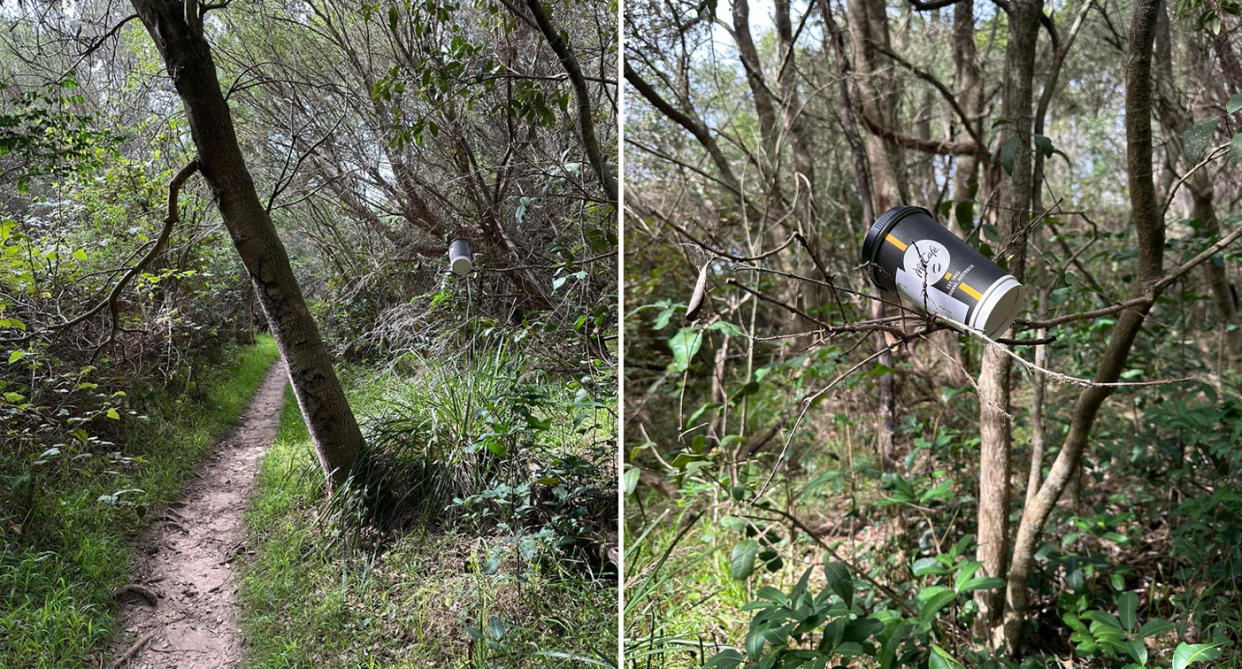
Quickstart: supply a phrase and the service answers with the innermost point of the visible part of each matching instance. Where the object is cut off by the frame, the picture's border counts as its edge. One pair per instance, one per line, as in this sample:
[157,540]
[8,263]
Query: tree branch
[94,46]
[693,125]
[944,91]
[586,122]
[170,221]
[1144,300]
[945,148]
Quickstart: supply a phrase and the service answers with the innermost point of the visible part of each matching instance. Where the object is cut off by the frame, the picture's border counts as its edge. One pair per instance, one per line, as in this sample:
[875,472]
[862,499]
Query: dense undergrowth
[474,532]
[823,554]
[76,506]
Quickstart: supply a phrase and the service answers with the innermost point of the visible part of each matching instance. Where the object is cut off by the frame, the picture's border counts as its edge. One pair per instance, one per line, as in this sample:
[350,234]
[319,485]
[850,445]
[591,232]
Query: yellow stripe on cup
[971,292]
[895,242]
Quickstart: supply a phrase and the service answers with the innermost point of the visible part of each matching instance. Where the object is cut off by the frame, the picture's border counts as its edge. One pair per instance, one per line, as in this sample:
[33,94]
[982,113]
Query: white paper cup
[461,260]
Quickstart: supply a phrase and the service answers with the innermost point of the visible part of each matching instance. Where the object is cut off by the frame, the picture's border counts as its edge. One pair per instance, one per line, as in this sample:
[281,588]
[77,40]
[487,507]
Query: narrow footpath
[182,609]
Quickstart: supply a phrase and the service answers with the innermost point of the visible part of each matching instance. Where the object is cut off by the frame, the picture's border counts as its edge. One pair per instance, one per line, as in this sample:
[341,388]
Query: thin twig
[808,400]
[1211,155]
[133,650]
[1157,288]
[860,326]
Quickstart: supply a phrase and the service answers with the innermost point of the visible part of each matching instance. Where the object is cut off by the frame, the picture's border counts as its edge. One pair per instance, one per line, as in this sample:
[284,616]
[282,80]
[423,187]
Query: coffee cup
[906,250]
[461,260]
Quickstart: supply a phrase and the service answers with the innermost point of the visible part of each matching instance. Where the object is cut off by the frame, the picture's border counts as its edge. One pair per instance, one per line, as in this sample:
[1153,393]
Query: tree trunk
[995,445]
[177,30]
[1150,226]
[795,124]
[811,296]
[877,97]
[1038,381]
[966,172]
[1174,118]
[586,118]
[833,41]
[769,127]
[970,97]
[246,332]
[868,26]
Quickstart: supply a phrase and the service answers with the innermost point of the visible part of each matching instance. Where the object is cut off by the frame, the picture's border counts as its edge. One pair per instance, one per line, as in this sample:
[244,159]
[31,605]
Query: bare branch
[110,302]
[948,95]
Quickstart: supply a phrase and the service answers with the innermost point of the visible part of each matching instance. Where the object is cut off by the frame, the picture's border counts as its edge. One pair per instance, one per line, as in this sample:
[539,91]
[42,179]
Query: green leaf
[729,329]
[495,628]
[1127,607]
[935,599]
[742,561]
[14,397]
[928,565]
[728,659]
[1198,136]
[1103,618]
[1074,623]
[755,641]
[1008,149]
[16,355]
[964,213]
[941,659]
[523,204]
[560,280]
[850,649]
[493,562]
[630,480]
[982,583]
[942,490]
[662,320]
[1189,653]
[840,581]
[1043,144]
[1235,148]
[684,344]
[1234,104]
[1153,627]
[682,460]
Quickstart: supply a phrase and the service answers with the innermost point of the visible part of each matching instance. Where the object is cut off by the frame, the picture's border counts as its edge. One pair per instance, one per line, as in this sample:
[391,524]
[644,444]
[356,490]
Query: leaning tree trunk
[995,436]
[177,30]
[1149,224]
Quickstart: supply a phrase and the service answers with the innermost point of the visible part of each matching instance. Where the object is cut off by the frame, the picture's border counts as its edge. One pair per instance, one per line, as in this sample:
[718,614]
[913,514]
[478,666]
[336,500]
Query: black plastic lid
[879,229]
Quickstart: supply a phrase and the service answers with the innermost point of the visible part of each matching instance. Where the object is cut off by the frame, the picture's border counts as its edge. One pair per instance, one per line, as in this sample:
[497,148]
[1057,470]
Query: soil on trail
[187,560]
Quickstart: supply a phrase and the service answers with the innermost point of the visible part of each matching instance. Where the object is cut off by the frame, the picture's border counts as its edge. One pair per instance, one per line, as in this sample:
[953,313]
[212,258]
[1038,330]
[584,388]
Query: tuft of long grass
[379,574]
[58,574]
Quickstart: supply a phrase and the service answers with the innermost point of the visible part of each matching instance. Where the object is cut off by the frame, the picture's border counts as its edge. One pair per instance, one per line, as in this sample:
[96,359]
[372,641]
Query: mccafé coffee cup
[910,252]
[461,260]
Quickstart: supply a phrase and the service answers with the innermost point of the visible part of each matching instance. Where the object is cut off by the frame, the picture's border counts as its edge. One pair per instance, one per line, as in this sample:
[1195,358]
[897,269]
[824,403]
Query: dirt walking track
[188,561]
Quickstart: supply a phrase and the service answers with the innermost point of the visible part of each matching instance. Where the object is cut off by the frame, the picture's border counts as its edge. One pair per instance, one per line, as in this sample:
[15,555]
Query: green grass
[309,601]
[58,571]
